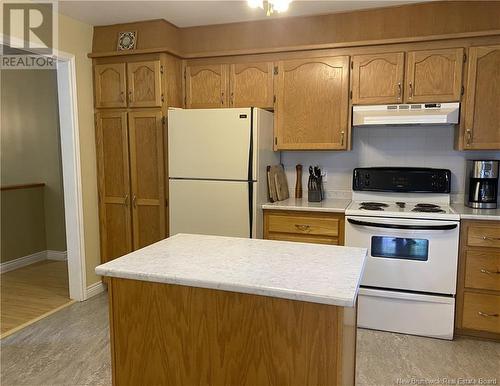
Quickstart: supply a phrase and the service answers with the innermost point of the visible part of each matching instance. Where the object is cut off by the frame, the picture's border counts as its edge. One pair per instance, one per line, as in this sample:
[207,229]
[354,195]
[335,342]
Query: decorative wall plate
[127,40]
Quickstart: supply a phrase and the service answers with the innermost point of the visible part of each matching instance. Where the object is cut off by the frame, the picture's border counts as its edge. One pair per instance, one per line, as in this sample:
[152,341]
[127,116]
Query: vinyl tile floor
[71,347]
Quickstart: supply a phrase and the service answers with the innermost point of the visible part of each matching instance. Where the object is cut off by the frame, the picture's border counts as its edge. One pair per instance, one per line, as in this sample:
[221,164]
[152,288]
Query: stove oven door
[407,254]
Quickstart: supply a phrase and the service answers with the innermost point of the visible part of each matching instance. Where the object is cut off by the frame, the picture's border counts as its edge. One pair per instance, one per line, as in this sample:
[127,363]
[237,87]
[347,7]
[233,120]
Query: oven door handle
[396,226]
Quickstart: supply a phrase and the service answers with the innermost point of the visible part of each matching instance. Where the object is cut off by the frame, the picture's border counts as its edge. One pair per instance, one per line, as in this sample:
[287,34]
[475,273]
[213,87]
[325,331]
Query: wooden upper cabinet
[311,109]
[144,84]
[206,86]
[114,184]
[147,174]
[110,85]
[482,99]
[377,78]
[434,75]
[251,85]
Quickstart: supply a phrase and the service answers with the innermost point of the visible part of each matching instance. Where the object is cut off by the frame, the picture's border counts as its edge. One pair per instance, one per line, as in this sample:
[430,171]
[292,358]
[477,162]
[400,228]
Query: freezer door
[208,207]
[210,143]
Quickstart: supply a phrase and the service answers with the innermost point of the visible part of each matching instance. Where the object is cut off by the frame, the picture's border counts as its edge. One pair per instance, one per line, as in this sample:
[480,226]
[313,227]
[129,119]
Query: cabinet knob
[126,200]
[399,90]
[490,238]
[486,315]
[134,201]
[303,228]
[411,90]
[342,135]
[468,134]
[130,96]
[489,272]
[122,96]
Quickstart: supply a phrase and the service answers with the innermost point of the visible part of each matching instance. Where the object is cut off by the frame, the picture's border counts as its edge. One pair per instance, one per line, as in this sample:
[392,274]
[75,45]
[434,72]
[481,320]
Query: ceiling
[194,13]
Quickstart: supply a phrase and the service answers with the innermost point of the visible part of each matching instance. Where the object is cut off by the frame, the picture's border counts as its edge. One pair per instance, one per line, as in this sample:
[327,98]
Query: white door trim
[71,168]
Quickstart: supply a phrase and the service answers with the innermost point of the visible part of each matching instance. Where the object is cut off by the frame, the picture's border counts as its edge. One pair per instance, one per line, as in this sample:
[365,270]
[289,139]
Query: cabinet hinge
[275,70]
[465,58]
[463,90]
[350,94]
[162,98]
[275,140]
[161,69]
[274,98]
[163,120]
[184,73]
[352,64]
[166,202]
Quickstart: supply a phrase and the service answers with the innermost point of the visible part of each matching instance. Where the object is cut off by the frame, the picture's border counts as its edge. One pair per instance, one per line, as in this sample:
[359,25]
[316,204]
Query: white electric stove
[403,217]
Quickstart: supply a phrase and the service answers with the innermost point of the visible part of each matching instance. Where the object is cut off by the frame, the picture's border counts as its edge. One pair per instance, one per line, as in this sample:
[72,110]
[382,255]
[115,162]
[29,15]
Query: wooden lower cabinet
[179,335]
[478,288]
[306,227]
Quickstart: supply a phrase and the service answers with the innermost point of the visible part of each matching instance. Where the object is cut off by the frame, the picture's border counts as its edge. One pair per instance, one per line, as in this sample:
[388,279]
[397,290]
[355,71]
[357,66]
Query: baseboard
[33,258]
[95,289]
[57,255]
[23,261]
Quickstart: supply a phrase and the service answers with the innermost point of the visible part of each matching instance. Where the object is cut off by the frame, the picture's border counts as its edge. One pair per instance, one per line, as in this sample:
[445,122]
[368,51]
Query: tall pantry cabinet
[132,95]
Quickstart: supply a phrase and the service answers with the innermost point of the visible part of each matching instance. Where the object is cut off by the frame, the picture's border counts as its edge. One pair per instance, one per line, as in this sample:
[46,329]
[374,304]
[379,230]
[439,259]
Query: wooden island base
[163,334]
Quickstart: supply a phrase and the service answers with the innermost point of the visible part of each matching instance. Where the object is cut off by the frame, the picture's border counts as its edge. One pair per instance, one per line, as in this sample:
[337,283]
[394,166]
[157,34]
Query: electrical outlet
[324,175]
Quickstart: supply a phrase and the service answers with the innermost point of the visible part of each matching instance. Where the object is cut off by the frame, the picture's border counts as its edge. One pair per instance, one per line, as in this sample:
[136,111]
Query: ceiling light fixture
[271,6]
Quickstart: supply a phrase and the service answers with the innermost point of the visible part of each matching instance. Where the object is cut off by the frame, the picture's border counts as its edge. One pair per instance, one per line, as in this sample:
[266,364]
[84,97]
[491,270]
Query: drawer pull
[303,228]
[489,272]
[487,315]
[489,238]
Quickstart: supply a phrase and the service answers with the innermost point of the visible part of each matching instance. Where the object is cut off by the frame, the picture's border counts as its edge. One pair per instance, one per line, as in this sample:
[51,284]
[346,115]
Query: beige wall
[75,37]
[23,223]
[30,147]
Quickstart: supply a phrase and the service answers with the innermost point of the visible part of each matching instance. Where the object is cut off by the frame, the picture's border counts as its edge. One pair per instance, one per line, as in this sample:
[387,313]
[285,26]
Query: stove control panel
[410,180]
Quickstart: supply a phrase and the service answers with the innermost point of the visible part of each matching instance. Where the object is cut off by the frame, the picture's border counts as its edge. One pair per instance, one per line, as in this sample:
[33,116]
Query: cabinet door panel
[482,102]
[311,110]
[206,86]
[378,78]
[113,184]
[110,85]
[251,85]
[144,83]
[434,75]
[147,174]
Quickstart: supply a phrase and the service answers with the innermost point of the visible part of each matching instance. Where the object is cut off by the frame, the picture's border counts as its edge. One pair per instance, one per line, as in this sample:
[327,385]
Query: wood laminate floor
[71,347]
[29,292]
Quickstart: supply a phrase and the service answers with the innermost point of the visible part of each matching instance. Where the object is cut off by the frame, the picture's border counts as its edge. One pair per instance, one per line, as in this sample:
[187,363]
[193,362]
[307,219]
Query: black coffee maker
[481,186]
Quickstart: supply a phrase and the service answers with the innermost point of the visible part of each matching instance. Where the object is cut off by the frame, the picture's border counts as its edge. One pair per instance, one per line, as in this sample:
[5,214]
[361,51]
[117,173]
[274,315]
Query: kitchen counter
[297,271]
[193,309]
[467,213]
[301,204]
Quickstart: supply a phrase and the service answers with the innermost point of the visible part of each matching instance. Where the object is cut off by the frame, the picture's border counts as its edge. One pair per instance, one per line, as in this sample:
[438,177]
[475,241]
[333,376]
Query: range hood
[406,114]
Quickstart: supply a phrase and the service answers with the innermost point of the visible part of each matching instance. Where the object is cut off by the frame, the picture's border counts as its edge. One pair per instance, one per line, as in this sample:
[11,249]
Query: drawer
[481,312]
[487,235]
[482,269]
[303,238]
[303,225]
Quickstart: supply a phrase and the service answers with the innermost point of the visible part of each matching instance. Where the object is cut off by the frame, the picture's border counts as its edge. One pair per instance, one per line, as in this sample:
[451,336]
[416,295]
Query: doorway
[43,265]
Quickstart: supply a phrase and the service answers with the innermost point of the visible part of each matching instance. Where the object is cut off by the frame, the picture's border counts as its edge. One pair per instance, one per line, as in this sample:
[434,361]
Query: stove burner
[428,209]
[380,204]
[371,207]
[427,206]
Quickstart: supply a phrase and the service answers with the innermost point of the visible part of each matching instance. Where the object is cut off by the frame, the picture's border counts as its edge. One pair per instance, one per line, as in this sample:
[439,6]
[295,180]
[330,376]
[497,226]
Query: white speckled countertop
[467,213]
[327,205]
[307,272]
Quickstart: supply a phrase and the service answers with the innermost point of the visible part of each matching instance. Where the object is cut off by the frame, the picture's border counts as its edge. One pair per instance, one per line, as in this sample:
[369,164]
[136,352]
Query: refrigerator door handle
[250,208]
[250,176]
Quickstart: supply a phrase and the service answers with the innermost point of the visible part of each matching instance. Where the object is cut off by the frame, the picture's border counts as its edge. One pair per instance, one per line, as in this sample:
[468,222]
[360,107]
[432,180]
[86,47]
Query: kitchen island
[196,309]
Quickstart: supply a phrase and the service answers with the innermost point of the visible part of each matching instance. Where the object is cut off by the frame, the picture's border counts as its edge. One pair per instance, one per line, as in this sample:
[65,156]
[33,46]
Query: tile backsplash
[417,146]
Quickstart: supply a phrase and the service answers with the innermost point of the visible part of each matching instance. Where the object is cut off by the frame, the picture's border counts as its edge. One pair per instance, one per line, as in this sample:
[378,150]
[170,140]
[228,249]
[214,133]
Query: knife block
[317,194]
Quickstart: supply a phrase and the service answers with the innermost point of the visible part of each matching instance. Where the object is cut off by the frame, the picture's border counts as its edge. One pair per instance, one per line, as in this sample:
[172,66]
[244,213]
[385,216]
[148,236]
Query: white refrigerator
[217,162]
